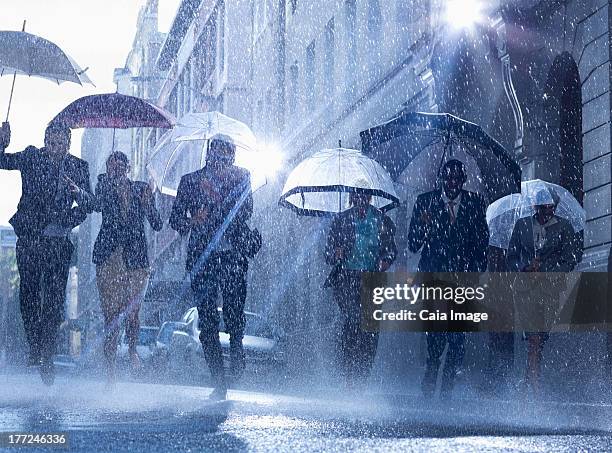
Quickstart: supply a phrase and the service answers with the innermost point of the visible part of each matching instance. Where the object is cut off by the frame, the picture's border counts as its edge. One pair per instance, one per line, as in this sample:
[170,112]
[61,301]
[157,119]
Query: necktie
[451,211]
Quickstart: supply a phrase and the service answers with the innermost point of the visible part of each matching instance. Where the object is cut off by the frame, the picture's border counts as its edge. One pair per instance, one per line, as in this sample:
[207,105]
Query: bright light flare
[463,14]
[265,162]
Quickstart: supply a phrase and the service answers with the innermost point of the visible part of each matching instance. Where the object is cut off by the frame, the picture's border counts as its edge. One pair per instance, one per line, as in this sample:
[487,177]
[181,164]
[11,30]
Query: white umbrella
[320,184]
[183,149]
[31,55]
[503,214]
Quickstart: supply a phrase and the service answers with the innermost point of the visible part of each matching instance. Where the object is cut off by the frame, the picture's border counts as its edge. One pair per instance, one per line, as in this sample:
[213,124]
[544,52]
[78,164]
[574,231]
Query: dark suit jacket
[450,247]
[342,235]
[117,231]
[45,196]
[561,252]
[232,211]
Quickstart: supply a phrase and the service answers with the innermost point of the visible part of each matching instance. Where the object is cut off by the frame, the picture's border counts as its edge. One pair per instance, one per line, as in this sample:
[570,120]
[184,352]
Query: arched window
[563,117]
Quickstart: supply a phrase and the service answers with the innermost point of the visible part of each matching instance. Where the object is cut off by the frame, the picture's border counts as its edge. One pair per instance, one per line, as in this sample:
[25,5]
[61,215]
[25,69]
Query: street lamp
[463,14]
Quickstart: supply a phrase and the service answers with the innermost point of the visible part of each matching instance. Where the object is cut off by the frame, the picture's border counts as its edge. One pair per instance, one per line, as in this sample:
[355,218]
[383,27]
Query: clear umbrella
[320,184]
[503,214]
[183,149]
[28,54]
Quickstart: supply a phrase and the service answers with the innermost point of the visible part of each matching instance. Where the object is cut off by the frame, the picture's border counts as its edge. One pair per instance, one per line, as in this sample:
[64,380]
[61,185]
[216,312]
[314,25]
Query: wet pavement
[163,418]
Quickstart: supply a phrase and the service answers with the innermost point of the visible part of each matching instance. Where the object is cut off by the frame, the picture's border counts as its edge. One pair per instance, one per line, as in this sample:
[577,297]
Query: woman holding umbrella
[543,242]
[120,253]
[362,239]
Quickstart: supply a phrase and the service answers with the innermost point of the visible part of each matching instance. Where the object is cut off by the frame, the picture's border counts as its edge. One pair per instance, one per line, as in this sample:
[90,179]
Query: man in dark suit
[213,205]
[53,187]
[449,227]
[543,242]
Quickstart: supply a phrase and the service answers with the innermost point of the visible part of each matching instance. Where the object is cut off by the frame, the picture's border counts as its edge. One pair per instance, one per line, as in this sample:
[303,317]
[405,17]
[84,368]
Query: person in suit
[449,227]
[213,206]
[543,242]
[120,253]
[361,239]
[54,187]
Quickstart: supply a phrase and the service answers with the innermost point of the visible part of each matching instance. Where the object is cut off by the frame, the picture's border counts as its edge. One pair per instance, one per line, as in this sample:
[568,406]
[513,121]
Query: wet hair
[59,129]
[217,143]
[119,156]
[453,166]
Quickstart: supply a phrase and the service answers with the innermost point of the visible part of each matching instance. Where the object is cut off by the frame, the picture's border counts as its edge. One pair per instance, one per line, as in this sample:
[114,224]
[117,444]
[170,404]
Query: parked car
[163,343]
[262,343]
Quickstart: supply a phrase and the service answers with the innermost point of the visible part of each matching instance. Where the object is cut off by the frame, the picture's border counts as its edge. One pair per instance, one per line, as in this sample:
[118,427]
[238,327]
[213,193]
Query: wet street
[149,417]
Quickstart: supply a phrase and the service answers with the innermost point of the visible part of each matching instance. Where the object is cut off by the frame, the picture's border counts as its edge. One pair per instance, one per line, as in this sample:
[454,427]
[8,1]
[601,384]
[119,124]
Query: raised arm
[84,198]
[418,229]
[334,241]
[11,161]
[246,199]
[388,249]
[148,202]
[179,218]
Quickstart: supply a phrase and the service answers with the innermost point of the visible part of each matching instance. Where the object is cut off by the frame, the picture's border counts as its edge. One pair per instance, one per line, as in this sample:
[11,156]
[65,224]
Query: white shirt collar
[446,200]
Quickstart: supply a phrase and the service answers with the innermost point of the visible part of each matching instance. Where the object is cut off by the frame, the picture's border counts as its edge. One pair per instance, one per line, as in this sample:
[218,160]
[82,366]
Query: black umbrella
[425,141]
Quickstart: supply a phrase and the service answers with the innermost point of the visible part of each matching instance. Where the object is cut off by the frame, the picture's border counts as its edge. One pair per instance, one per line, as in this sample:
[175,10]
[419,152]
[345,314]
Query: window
[309,76]
[329,64]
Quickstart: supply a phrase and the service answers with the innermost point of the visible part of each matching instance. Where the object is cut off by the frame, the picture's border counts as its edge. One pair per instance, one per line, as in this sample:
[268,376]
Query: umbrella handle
[11,97]
[8,111]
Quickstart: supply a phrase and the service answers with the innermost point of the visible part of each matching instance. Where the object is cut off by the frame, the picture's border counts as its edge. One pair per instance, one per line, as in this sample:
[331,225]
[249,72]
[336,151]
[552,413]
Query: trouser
[436,342]
[120,289]
[225,272]
[501,357]
[357,349]
[43,265]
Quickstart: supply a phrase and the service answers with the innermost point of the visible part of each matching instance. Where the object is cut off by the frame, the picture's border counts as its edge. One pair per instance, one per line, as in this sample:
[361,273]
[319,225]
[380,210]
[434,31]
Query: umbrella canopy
[503,214]
[417,145]
[320,184]
[31,55]
[183,149]
[113,110]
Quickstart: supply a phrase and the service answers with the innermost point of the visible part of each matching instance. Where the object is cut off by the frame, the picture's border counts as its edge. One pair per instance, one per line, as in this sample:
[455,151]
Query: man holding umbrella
[55,185]
[213,206]
[449,227]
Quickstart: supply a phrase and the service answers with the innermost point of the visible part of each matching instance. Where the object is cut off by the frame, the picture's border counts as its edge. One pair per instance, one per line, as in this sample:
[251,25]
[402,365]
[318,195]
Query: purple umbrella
[113,110]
